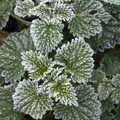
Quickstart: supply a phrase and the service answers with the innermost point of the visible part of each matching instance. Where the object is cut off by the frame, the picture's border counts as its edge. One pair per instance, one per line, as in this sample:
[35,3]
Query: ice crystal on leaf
[28,99]
[46,36]
[62,90]
[88,109]
[22,7]
[10,54]
[87,21]
[77,56]
[35,63]
[5,9]
[56,12]
[6,105]
[108,38]
[50,65]
[111,89]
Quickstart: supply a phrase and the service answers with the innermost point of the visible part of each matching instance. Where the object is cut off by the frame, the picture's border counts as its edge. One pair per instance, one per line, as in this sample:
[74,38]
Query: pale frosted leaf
[77,56]
[46,36]
[28,99]
[88,109]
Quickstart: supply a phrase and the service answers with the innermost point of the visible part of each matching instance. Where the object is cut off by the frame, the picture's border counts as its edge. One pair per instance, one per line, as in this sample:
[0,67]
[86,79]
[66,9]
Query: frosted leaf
[6,106]
[10,54]
[88,109]
[28,99]
[102,84]
[55,12]
[116,92]
[116,2]
[88,18]
[77,56]
[104,90]
[108,38]
[46,36]
[5,9]
[61,89]
[63,12]
[22,7]
[35,63]
[111,89]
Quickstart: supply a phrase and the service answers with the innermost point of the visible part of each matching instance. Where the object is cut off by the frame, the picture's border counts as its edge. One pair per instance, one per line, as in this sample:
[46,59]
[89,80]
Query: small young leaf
[62,90]
[108,38]
[6,106]
[22,7]
[56,12]
[35,63]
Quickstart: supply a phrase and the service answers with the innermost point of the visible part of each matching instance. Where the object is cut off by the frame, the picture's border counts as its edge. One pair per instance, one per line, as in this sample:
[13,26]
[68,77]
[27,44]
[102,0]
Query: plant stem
[24,22]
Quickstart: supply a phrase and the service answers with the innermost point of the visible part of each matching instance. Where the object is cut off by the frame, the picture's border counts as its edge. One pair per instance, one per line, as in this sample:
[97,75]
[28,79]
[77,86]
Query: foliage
[89,106]
[10,54]
[5,9]
[117,2]
[60,58]
[6,105]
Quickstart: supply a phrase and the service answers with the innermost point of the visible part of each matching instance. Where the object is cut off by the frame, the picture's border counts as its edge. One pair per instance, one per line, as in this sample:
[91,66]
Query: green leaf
[30,99]
[88,109]
[104,90]
[77,56]
[55,11]
[5,9]
[108,38]
[113,9]
[6,106]
[35,63]
[22,7]
[87,21]
[110,89]
[60,88]
[110,63]
[116,2]
[46,36]
[98,76]
[115,96]
[10,54]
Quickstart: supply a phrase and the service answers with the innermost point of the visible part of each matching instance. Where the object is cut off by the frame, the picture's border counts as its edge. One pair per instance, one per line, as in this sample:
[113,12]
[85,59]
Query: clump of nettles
[42,70]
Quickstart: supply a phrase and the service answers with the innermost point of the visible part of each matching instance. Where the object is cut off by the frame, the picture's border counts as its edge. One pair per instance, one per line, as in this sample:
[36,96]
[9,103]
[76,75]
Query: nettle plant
[47,66]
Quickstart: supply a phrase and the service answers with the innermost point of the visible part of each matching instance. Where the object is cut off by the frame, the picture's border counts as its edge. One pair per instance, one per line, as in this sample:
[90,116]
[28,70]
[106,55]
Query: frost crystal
[35,63]
[46,36]
[10,54]
[62,90]
[22,7]
[27,99]
[87,21]
[88,109]
[77,56]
